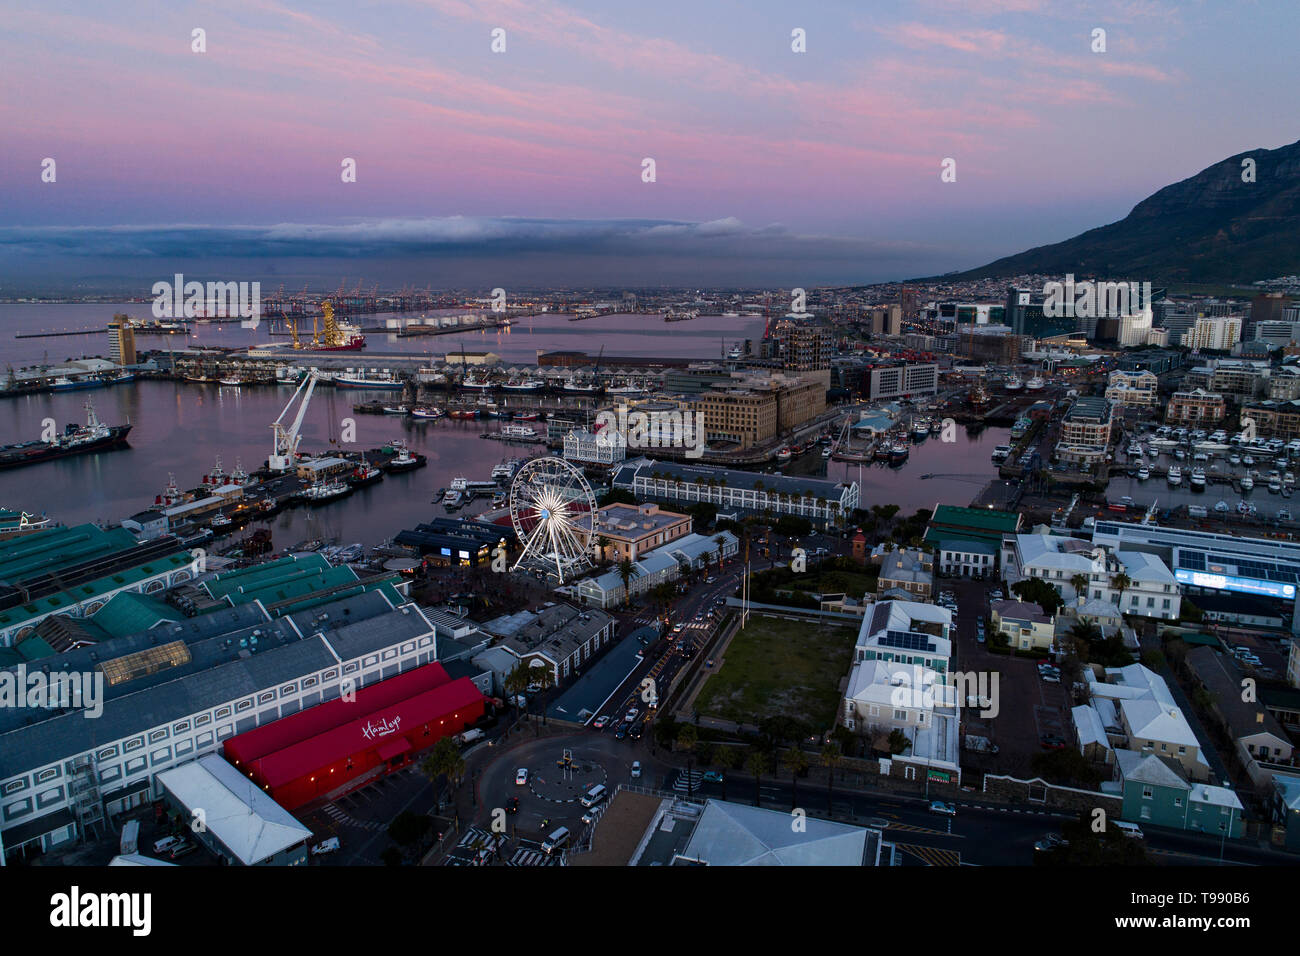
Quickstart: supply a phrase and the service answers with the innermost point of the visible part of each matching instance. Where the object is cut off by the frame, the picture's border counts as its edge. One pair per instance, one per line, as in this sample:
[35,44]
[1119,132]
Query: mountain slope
[1211,227]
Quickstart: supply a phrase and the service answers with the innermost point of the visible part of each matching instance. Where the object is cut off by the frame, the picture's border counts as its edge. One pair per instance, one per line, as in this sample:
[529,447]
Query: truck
[471,736]
[130,837]
[979,745]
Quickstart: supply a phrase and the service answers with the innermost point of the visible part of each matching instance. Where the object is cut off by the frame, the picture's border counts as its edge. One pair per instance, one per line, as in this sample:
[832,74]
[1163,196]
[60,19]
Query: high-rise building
[803,346]
[1218,333]
[1024,313]
[121,341]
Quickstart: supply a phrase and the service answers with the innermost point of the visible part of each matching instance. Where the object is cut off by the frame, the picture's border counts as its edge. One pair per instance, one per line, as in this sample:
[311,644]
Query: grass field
[775,666]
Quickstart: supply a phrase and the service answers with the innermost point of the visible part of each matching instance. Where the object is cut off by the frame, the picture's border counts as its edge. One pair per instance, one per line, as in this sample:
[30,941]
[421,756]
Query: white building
[906,632]
[1132,389]
[605,447]
[1213,332]
[1152,590]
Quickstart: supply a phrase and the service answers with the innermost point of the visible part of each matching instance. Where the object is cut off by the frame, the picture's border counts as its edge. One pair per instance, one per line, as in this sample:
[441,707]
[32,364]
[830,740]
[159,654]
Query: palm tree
[830,758]
[726,758]
[1121,582]
[516,683]
[721,542]
[602,542]
[687,738]
[1080,584]
[443,760]
[757,765]
[796,762]
[627,570]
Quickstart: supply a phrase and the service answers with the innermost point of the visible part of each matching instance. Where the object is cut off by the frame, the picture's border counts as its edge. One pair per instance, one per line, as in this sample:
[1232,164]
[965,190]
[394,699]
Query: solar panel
[907,641]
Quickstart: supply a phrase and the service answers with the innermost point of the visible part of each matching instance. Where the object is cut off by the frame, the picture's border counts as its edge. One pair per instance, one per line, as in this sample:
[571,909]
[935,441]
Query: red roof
[268,738]
[401,719]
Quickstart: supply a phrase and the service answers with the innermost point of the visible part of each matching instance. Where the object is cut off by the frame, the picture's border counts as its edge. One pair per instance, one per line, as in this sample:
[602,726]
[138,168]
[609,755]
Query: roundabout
[557,784]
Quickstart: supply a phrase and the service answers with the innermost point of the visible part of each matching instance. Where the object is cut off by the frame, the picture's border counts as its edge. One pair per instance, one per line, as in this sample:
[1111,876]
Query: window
[47,774]
[1147,793]
[135,744]
[157,735]
[180,728]
[262,698]
[223,712]
[243,705]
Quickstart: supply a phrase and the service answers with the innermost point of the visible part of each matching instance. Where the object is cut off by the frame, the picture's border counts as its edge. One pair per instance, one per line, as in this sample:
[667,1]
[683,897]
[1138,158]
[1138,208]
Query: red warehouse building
[308,755]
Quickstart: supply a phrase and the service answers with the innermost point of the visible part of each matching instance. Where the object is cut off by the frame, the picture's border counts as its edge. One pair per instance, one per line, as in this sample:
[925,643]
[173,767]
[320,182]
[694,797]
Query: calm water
[181,428]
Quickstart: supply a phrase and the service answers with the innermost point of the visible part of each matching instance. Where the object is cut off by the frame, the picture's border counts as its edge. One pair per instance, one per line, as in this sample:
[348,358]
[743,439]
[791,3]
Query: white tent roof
[247,821]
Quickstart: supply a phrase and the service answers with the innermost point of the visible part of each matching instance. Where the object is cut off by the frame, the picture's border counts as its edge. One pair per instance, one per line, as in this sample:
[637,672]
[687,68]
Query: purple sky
[829,157]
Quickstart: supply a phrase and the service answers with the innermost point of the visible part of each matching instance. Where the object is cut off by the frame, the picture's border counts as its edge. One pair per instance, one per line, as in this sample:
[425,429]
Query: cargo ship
[75,440]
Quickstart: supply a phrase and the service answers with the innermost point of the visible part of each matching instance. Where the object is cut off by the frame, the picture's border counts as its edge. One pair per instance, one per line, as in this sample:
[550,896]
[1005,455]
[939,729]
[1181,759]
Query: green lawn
[776,666]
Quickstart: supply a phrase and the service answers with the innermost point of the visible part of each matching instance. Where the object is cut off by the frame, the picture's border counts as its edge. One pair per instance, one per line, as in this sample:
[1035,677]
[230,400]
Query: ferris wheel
[554,514]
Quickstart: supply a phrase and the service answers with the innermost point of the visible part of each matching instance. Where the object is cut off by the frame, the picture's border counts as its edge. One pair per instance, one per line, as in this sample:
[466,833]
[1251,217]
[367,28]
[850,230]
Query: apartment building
[902,380]
[1196,405]
[1230,376]
[1274,419]
[1284,384]
[1219,333]
[1132,389]
[1086,431]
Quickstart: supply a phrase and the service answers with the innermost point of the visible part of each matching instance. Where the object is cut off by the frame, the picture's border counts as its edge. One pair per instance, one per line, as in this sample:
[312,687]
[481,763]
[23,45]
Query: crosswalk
[915,829]
[691,782]
[522,857]
[342,819]
[931,856]
[476,837]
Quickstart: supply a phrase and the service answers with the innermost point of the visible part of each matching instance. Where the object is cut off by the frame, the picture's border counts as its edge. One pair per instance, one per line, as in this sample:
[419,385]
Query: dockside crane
[285,447]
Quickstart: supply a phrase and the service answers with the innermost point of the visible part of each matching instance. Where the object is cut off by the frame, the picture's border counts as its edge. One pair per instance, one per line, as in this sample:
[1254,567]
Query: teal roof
[283,588]
[258,577]
[129,613]
[41,552]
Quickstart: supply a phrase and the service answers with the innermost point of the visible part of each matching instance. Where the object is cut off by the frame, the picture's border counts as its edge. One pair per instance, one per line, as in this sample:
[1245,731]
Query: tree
[797,763]
[444,760]
[898,742]
[1039,592]
[408,827]
[516,683]
[830,758]
[1080,584]
[687,738]
[1121,583]
[602,543]
[757,765]
[627,570]
[726,758]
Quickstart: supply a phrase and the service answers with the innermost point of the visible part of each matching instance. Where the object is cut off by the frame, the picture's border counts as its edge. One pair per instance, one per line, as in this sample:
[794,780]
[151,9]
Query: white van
[165,844]
[1128,829]
[594,795]
[556,840]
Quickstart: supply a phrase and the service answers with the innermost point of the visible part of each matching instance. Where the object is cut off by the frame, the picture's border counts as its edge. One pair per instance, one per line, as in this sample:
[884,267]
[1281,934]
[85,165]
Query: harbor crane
[282,455]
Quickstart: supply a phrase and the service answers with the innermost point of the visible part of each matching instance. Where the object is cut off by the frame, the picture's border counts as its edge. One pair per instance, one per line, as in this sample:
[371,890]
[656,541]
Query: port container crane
[286,439]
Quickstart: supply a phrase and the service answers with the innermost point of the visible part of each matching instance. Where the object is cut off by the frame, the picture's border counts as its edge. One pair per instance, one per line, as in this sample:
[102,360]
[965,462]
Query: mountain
[1211,227]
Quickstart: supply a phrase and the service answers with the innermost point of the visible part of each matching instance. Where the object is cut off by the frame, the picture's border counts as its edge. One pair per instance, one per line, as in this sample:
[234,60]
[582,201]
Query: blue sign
[1229,582]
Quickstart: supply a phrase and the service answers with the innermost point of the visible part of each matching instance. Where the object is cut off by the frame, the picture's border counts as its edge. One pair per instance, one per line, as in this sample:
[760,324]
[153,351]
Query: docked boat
[384,383]
[580,388]
[75,440]
[427,413]
[1248,461]
[1247,482]
[453,499]
[1197,479]
[1175,477]
[1143,472]
[404,460]
[1234,460]
[1001,452]
[979,395]
[898,453]
[518,432]
[220,520]
[681,315]
[784,455]
[1222,507]
[1035,384]
[826,451]
[231,381]
[1013,384]
[323,492]
[506,470]
[394,410]
[524,385]
[936,426]
[365,475]
[65,384]
[1020,427]
[882,451]
[476,383]
[464,413]
[1275,485]
[527,416]
[921,428]
[735,355]
[1283,514]
[171,494]
[239,476]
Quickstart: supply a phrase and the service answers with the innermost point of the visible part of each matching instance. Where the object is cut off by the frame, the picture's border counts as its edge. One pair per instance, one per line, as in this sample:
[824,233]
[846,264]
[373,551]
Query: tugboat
[220,521]
[403,460]
[920,429]
[171,494]
[75,440]
[898,453]
[364,475]
[323,492]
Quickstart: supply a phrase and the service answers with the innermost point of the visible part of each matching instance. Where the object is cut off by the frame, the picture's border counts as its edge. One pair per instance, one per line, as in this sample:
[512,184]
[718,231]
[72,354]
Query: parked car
[947,809]
[165,844]
[326,846]
[712,776]
[184,848]
[636,769]
[521,776]
[1053,742]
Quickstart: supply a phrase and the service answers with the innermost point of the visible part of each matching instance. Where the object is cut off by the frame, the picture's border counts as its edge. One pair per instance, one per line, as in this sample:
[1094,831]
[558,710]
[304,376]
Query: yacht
[1175,476]
[920,428]
[1234,460]
[323,492]
[518,432]
[1001,452]
[1247,482]
[1197,479]
[1283,514]
[1274,484]
[1143,472]
[1179,454]
[1222,507]
[1248,460]
[1013,384]
[1034,384]
[784,455]
[453,500]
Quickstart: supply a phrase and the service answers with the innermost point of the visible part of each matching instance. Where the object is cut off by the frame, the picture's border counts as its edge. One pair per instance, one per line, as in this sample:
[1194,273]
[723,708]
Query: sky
[480,168]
